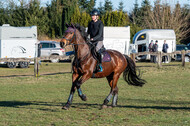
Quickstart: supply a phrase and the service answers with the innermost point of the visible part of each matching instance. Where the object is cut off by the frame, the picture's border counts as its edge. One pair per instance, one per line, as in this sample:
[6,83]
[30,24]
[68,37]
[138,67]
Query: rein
[90,47]
[73,45]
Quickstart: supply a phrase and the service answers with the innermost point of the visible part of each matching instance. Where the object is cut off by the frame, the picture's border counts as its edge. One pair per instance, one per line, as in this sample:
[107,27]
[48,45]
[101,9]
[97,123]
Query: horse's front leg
[73,88]
[84,77]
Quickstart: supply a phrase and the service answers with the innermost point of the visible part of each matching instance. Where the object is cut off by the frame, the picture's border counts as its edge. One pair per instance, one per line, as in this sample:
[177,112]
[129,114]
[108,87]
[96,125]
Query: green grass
[163,101]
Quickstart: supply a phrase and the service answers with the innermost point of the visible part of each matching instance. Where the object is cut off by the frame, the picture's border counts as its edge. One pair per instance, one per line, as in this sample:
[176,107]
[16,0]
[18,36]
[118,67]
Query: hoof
[66,107]
[110,106]
[84,98]
[104,106]
[113,106]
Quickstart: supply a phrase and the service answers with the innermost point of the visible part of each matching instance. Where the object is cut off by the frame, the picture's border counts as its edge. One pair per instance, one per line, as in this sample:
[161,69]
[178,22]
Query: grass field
[163,101]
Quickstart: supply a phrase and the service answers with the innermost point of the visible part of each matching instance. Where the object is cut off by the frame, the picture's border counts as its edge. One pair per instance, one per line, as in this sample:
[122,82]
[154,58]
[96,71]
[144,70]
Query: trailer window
[141,37]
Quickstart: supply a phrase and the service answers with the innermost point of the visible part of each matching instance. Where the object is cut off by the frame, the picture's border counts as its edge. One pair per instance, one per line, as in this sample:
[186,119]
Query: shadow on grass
[160,104]
[20,104]
[146,104]
[155,107]
[23,104]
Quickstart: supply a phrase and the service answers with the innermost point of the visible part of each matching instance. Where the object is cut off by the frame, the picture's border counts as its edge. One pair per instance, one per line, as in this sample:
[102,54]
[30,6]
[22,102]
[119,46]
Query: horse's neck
[81,48]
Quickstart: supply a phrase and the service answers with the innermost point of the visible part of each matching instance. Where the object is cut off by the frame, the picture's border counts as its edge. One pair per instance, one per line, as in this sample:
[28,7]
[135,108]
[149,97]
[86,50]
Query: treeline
[52,18]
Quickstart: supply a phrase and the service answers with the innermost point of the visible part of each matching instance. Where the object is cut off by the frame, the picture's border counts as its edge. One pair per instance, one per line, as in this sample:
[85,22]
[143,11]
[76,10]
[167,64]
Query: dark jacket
[165,48]
[155,48]
[151,47]
[96,29]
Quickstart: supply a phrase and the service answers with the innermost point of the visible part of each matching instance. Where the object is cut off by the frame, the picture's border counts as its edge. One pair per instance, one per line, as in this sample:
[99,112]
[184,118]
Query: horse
[84,65]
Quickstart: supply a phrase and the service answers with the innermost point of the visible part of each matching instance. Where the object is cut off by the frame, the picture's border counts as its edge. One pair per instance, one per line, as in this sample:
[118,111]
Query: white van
[17,42]
[143,38]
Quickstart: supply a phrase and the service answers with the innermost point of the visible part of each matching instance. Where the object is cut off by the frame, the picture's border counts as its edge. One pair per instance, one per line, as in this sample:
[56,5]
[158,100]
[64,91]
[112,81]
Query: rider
[95,29]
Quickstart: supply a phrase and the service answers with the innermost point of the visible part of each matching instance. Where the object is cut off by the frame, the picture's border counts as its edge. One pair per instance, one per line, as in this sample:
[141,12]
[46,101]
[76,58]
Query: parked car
[187,55]
[51,48]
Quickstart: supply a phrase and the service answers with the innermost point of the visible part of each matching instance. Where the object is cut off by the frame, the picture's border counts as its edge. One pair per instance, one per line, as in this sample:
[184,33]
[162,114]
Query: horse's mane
[83,32]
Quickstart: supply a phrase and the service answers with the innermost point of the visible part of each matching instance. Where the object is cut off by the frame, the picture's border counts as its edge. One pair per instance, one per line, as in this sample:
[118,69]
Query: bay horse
[84,65]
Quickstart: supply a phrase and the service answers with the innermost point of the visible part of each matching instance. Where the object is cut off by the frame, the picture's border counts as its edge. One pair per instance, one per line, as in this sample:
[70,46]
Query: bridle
[73,45]
[70,40]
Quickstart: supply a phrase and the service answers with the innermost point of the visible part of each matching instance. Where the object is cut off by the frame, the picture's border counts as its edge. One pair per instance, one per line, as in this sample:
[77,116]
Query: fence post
[133,57]
[36,67]
[183,57]
[159,59]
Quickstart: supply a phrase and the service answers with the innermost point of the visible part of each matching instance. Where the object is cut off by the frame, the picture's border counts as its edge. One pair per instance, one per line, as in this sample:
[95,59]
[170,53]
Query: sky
[129,4]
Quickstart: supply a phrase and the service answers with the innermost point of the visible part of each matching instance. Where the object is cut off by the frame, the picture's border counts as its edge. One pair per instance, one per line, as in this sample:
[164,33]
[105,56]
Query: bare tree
[164,17]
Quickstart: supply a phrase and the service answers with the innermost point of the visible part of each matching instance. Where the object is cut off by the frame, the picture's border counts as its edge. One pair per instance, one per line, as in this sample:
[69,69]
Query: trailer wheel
[11,64]
[23,64]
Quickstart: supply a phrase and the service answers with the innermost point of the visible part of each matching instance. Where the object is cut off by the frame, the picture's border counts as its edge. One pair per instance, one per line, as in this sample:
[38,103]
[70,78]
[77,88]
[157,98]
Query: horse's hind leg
[112,79]
[114,93]
[115,97]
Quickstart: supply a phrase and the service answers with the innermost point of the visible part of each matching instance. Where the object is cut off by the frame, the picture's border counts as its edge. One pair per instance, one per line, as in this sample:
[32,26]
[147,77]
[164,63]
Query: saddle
[102,55]
[105,56]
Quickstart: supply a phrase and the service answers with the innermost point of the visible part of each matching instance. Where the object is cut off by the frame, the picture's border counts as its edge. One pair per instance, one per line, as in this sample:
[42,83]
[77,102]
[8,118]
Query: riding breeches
[99,45]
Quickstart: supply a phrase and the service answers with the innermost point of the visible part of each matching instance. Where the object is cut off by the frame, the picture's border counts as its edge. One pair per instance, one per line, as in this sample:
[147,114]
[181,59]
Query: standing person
[164,49]
[150,47]
[95,30]
[155,49]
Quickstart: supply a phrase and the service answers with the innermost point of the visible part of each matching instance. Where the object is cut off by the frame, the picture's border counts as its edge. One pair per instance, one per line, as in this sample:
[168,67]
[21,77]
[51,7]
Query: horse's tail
[130,74]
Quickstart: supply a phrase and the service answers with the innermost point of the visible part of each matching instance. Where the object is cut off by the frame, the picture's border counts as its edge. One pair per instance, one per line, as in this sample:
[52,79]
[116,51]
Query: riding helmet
[95,12]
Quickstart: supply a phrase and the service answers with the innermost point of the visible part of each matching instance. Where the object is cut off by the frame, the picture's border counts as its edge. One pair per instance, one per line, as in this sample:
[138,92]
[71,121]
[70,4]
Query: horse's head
[69,36]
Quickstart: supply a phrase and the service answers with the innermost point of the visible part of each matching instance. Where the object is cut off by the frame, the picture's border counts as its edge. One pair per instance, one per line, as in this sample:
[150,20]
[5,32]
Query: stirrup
[100,68]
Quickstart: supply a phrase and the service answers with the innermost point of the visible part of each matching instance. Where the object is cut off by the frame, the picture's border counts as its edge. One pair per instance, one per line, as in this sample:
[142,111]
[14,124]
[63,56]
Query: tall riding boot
[99,57]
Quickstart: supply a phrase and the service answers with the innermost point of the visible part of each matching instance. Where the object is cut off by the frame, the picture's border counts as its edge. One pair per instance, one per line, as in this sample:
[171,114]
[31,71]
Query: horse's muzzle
[62,44]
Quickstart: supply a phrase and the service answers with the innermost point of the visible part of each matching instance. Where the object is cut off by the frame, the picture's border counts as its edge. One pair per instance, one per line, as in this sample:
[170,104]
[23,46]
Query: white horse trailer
[117,38]
[17,42]
[143,38]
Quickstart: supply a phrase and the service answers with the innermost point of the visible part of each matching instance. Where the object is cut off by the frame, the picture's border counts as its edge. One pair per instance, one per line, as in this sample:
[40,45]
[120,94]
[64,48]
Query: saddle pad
[106,57]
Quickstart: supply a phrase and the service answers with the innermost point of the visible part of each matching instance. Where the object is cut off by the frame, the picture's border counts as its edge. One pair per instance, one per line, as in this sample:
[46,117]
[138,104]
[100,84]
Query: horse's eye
[71,33]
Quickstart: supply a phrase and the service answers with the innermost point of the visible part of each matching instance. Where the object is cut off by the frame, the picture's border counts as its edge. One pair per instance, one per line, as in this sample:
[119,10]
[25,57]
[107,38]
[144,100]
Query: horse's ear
[73,26]
[67,25]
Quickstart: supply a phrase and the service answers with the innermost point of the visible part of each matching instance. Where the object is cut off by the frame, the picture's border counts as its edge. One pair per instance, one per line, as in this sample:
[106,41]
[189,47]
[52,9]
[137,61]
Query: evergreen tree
[121,6]
[76,16]
[135,13]
[86,5]
[3,16]
[35,15]
[139,14]
[55,11]
[68,11]
[115,18]
[101,9]
[83,4]
[91,5]
[19,15]
[108,6]
[84,19]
